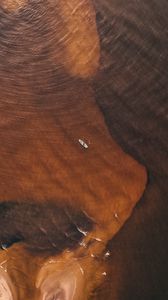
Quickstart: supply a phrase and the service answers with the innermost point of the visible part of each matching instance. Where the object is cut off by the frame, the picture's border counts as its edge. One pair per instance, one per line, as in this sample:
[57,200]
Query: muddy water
[130,87]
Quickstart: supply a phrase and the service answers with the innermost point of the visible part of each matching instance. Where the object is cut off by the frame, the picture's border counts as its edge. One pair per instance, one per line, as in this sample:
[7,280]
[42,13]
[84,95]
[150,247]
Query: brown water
[49,101]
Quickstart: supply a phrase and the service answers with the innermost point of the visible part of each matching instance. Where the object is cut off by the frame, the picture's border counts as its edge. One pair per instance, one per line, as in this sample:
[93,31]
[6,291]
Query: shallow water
[41,90]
